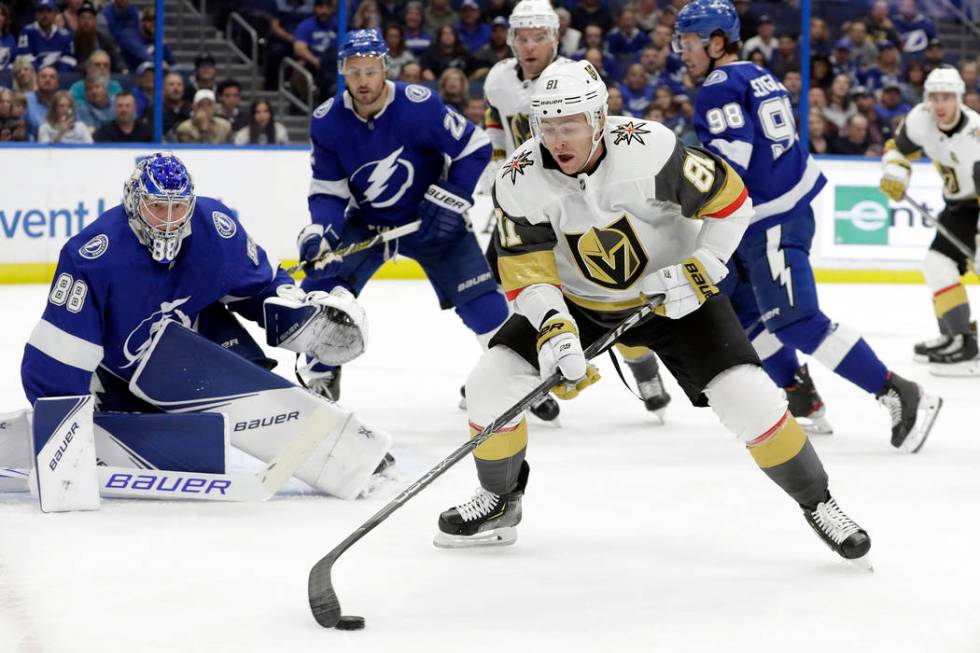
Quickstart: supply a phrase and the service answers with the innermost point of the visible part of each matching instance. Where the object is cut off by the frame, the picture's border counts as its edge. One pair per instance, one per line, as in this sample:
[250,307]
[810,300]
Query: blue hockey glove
[442,213]
[313,242]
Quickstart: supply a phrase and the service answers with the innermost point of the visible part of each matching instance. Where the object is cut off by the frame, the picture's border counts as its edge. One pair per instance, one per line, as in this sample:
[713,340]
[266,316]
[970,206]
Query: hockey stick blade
[383,237]
[323,599]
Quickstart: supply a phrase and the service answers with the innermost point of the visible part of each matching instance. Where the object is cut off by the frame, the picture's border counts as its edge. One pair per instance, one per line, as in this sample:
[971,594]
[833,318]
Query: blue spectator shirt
[476,38]
[36,111]
[53,49]
[915,32]
[8,51]
[318,36]
[620,43]
[117,22]
[290,15]
[636,102]
[418,42]
[886,114]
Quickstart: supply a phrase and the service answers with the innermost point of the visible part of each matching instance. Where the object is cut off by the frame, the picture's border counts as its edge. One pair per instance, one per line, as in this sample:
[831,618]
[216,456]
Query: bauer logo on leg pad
[64,447]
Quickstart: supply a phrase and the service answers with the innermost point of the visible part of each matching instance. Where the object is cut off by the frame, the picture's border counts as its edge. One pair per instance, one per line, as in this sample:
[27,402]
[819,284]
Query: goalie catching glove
[330,327]
[896,171]
[560,350]
[684,286]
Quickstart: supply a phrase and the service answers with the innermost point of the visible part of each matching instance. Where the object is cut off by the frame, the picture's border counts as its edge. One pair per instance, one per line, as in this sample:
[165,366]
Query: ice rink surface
[636,536]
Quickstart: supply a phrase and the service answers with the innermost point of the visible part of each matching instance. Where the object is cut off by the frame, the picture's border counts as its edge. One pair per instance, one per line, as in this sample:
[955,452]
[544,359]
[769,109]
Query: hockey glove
[330,327]
[314,242]
[684,286]
[896,171]
[441,213]
[559,349]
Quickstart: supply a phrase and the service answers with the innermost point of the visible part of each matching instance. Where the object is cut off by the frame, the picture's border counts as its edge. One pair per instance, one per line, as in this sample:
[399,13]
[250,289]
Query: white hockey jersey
[596,235]
[956,153]
[508,97]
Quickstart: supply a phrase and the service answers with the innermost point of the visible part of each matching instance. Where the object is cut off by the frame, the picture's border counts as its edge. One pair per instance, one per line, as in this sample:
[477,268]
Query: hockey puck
[349,622]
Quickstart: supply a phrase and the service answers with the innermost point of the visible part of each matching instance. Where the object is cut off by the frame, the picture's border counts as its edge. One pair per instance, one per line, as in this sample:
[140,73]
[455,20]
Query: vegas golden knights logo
[611,256]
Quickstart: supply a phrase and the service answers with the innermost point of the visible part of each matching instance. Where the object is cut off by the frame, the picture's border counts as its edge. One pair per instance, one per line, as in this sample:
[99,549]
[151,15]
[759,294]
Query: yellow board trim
[501,446]
[784,445]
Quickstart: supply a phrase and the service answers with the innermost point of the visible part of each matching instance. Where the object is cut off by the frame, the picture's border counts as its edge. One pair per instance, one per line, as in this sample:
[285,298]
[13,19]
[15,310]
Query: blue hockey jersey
[109,297]
[56,48]
[383,166]
[744,114]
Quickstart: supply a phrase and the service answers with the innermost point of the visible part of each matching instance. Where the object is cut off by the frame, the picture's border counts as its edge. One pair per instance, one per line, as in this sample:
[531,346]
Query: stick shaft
[941,228]
[382,237]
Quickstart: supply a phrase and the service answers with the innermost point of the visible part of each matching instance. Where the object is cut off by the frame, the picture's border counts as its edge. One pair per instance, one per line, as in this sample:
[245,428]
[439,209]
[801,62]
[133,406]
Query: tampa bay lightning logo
[138,341]
[95,247]
[225,225]
[382,183]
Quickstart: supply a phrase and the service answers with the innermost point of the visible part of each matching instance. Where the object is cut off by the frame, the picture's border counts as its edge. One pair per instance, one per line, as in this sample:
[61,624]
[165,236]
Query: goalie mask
[159,202]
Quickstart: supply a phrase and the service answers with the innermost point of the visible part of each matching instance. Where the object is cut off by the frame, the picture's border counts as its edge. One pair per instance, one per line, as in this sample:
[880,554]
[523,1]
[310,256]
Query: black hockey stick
[941,228]
[382,237]
[323,599]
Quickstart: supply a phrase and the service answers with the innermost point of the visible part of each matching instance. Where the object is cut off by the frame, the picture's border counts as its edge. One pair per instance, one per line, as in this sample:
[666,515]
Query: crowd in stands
[867,68]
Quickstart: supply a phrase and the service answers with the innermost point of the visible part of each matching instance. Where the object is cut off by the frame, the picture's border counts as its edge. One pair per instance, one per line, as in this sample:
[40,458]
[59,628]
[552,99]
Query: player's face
[534,48]
[945,107]
[569,140]
[694,55]
[163,215]
[365,77]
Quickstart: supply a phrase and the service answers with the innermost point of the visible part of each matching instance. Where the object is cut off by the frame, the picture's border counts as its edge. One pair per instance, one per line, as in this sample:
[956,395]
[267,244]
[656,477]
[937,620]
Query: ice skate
[922,350]
[960,357]
[651,386]
[912,412]
[487,519]
[840,532]
[806,405]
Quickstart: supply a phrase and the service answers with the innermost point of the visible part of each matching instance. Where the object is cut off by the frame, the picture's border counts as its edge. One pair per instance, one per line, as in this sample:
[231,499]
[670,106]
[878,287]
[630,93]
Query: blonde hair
[444,81]
[24,62]
[52,117]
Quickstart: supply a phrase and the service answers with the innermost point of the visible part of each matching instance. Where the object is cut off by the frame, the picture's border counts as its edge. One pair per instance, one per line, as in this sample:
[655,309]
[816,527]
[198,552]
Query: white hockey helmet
[533,14]
[567,88]
[945,80]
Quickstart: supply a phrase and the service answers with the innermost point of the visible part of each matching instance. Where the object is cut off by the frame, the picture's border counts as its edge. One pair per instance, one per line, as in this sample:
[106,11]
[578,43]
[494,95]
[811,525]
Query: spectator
[636,91]
[175,110]
[367,16]
[89,38]
[935,56]
[840,61]
[203,126]
[818,133]
[968,71]
[446,51]
[68,18]
[18,116]
[60,124]
[592,39]
[315,35]
[39,101]
[98,64]
[569,38]
[915,79]
[398,53]
[25,77]
[454,88]
[476,110]
[863,52]
[48,44]
[473,33]
[891,104]
[205,74]
[786,58]
[124,128]
[972,100]
[664,99]
[821,72]
[817,98]
[654,61]
[878,130]
[598,60]
[646,14]
[854,140]
[914,29]
[437,15]
[819,37]
[262,129]
[229,101]
[758,58]
[497,49]
[119,17]
[8,46]
[793,81]
[839,105]
[417,40]
[143,90]
[285,17]
[591,12]
[97,107]
[880,26]
[748,21]
[626,40]
[615,102]
[411,73]
[142,44]
[661,37]
[6,103]
[498,9]
[765,41]
[654,113]
[887,69]
[392,11]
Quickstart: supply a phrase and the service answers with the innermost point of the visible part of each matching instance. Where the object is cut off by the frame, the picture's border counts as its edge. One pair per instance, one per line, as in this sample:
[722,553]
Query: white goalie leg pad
[347,463]
[746,401]
[940,271]
[499,380]
[63,434]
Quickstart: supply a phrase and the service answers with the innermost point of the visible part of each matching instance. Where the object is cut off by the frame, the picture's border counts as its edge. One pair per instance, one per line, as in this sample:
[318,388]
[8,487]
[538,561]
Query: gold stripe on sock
[949,298]
[503,444]
[779,444]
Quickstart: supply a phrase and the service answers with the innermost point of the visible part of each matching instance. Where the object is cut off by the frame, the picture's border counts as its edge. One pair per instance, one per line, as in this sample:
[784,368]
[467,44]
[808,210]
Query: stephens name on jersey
[743,113]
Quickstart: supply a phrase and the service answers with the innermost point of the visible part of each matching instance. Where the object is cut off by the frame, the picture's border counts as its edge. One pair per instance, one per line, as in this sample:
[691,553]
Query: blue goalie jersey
[109,297]
[743,113]
[382,167]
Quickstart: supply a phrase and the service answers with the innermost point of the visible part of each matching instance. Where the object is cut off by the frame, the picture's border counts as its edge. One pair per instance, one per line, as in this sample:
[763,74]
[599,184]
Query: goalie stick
[382,237]
[941,228]
[323,599]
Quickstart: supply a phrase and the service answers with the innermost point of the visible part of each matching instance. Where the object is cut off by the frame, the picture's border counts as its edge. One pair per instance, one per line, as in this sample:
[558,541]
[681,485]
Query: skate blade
[863,563]
[497,537]
[815,426]
[966,368]
[661,416]
[929,407]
